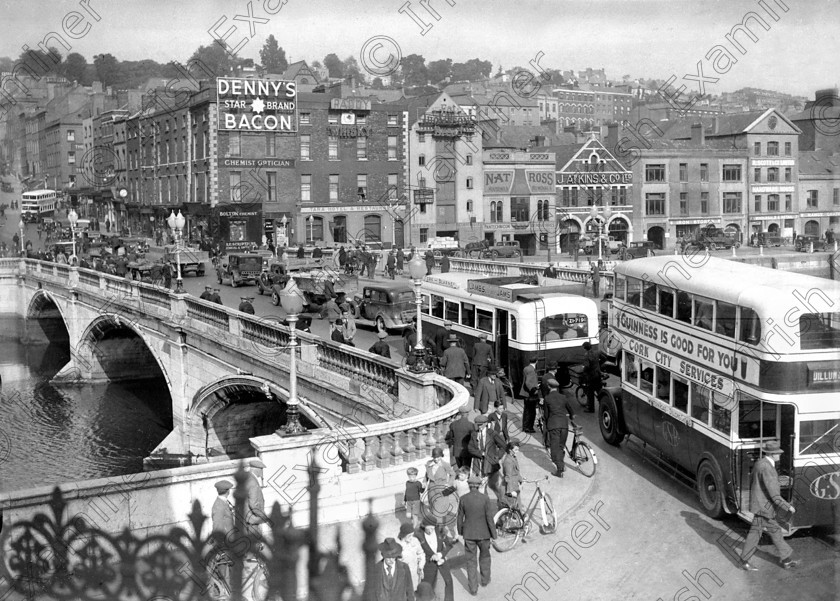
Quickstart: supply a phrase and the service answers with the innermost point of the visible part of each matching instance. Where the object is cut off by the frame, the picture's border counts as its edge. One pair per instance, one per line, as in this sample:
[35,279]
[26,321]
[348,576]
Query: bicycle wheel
[585,459]
[580,395]
[510,527]
[549,524]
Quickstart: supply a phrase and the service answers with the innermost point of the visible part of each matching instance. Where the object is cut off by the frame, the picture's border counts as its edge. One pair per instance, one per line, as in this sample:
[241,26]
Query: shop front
[333,226]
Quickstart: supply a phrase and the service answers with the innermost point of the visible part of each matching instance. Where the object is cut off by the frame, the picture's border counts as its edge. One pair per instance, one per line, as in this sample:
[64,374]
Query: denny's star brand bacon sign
[256,105]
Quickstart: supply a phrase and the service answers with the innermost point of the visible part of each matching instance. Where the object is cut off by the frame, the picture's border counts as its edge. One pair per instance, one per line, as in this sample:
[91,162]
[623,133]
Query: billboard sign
[256,105]
[239,226]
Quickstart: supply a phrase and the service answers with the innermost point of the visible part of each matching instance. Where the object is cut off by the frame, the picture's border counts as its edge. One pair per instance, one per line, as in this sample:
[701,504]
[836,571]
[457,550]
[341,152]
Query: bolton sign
[256,105]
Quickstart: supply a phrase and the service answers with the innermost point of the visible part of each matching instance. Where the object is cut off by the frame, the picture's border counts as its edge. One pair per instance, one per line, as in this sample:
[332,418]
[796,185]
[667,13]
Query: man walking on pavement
[486,448]
[391,264]
[511,475]
[765,499]
[482,357]
[499,420]
[477,527]
[430,261]
[557,406]
[487,393]
[223,525]
[380,347]
[458,438]
[348,328]
[529,393]
[454,361]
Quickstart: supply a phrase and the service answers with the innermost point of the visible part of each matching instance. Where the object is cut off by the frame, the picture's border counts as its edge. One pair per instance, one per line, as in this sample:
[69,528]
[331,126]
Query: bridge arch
[231,410]
[45,321]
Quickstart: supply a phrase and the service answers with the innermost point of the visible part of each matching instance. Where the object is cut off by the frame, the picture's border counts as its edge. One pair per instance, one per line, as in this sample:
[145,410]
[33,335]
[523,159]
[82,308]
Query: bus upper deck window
[703,314]
[725,319]
[750,326]
[819,331]
[634,291]
[468,314]
[620,287]
[666,303]
[437,306]
[684,307]
[485,320]
[452,312]
[649,297]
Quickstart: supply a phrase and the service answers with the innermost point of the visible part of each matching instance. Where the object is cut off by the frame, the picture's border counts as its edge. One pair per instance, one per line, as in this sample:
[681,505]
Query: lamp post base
[179,287]
[293,426]
[420,365]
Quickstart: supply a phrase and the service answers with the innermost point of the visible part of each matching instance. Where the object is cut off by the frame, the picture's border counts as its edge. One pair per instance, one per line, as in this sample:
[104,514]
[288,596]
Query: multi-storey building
[64,151]
[584,110]
[819,193]
[444,165]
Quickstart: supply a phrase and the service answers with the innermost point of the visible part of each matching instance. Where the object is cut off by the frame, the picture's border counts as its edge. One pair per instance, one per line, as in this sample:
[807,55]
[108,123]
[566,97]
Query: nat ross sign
[256,105]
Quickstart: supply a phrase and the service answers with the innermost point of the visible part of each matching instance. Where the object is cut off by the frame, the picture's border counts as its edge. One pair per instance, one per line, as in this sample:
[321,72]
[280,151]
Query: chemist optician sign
[259,105]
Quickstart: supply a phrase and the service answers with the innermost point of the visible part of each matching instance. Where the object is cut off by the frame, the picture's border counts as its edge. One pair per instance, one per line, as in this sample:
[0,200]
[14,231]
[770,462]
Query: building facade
[819,193]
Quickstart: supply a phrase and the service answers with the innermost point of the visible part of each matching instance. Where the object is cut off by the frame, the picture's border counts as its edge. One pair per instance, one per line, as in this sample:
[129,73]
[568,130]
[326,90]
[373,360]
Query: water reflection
[49,435]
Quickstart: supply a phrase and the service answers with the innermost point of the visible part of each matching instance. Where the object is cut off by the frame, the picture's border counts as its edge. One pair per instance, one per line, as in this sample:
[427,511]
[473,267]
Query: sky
[641,38]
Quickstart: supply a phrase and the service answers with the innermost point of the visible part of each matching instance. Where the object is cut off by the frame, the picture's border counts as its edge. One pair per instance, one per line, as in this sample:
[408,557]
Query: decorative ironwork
[65,557]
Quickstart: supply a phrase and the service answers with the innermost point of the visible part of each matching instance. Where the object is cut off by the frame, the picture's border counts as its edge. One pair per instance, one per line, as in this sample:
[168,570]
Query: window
[758,203]
[663,384]
[512,331]
[305,188]
[683,203]
[649,297]
[332,118]
[469,206]
[361,184]
[788,174]
[236,186]
[499,212]
[520,210]
[757,174]
[813,198]
[340,229]
[469,183]
[570,197]
[772,149]
[655,203]
[819,331]
[725,319]
[721,414]
[393,190]
[421,138]
[731,202]
[421,160]
[619,196]
[646,379]
[631,369]
[271,144]
[485,320]
[654,173]
[755,420]
[634,291]
[787,149]
[373,228]
[732,173]
[700,403]
[304,147]
[836,197]
[817,437]
[71,135]
[304,119]
[361,119]
[788,202]
[393,120]
[468,160]
[773,203]
[683,172]
[424,233]
[757,149]
[564,326]
[750,326]
[271,185]
[392,148]
[361,148]
[704,172]
[334,188]
[704,313]
[333,148]
[493,212]
[235,144]
[772,174]
[71,157]
[468,315]
[314,229]
[680,394]
[704,203]
[666,302]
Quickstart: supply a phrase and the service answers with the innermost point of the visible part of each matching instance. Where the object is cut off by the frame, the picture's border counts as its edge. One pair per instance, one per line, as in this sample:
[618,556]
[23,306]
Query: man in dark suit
[499,420]
[391,577]
[548,375]
[487,392]
[329,287]
[486,448]
[442,338]
[529,393]
[765,499]
[481,359]
[223,524]
[436,546]
[557,405]
[458,438]
[476,525]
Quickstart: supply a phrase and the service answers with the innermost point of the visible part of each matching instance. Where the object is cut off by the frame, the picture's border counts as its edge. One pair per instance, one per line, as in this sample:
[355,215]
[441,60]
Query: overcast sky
[648,38]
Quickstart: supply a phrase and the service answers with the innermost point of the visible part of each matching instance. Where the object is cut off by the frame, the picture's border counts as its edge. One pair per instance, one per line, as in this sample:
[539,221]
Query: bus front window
[751,414]
[564,326]
[819,437]
[819,331]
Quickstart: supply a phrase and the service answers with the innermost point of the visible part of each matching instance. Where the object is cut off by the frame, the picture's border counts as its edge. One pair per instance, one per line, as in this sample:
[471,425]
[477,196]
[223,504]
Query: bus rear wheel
[709,489]
[608,420]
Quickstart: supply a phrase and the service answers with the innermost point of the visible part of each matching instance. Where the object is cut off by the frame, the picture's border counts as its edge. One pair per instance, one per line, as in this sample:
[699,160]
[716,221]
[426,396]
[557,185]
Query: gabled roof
[577,157]
[728,124]
[819,162]
[295,69]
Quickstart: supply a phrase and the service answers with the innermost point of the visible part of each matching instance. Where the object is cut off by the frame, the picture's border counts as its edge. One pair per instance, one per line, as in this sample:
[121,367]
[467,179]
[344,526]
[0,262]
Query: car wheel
[629,256]
[713,246]
[275,299]
[380,324]
[494,254]
[517,254]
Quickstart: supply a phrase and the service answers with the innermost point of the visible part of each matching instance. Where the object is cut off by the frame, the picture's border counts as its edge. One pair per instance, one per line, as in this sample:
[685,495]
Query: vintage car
[639,248]
[239,268]
[803,244]
[386,306]
[713,238]
[274,273]
[502,248]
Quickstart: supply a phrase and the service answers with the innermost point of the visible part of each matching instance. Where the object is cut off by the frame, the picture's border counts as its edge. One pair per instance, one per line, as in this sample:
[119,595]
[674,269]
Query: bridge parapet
[505,268]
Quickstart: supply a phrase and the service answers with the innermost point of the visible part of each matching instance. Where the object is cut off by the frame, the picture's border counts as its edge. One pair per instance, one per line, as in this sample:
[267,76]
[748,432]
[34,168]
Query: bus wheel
[709,489]
[608,420]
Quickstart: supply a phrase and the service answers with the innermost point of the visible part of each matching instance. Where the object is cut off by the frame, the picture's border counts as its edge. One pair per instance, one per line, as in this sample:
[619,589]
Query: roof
[292,71]
[727,124]
[522,136]
[819,162]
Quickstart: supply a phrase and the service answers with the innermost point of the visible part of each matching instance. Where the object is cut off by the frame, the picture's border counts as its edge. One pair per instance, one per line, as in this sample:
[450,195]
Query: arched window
[499,217]
[373,228]
[493,212]
[314,229]
[469,206]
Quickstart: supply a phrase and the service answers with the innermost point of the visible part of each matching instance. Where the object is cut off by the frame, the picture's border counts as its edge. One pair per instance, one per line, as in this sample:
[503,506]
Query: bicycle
[579,451]
[514,524]
[580,389]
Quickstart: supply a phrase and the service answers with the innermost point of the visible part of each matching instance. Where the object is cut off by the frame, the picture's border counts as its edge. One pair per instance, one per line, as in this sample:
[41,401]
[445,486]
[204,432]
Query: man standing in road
[207,294]
[454,361]
[442,338]
[329,287]
[391,264]
[380,347]
[216,297]
[596,279]
[245,305]
[482,357]
[337,333]
[487,393]
[557,407]
[529,393]
[477,527]
[444,263]
[592,376]
[430,261]
[765,499]
[348,328]
[499,419]
[458,438]
[400,261]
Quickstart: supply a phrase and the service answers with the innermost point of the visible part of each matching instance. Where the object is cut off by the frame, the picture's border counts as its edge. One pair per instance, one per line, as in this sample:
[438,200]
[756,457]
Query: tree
[351,69]
[439,70]
[334,65]
[414,70]
[40,62]
[6,64]
[107,69]
[273,57]
[377,84]
[212,60]
[74,68]
[473,70]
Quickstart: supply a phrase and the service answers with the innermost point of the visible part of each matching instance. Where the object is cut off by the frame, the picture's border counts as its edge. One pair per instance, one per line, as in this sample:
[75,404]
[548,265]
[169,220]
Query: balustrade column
[397,451]
[383,456]
[410,448]
[431,439]
[421,443]
[354,460]
[368,455]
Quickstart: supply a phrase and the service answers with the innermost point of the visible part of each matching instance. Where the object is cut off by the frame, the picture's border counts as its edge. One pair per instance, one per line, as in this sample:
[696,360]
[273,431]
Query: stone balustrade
[209,313]
[507,269]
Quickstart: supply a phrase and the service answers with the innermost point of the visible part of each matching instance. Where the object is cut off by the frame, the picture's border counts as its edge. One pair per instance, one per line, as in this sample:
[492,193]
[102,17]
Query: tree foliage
[38,62]
[334,65]
[473,70]
[439,70]
[273,57]
[414,70]
[75,68]
[107,69]
[351,69]
[212,60]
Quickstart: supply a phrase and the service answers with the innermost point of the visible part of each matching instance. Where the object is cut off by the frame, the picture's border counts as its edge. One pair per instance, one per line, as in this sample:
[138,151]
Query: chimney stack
[698,133]
[611,142]
[716,129]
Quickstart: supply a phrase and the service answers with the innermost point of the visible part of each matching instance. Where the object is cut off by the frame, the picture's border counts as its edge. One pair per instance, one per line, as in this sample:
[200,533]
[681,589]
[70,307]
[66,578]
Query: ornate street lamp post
[73,218]
[293,305]
[176,224]
[600,216]
[21,226]
[417,271]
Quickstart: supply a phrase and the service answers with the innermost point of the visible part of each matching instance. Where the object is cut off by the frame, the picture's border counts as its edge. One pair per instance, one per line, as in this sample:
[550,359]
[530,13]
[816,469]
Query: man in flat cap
[458,438]
[557,406]
[207,294]
[255,515]
[391,577]
[245,305]
[380,347]
[223,525]
[486,448]
[481,359]
[454,361]
[476,526]
[442,338]
[488,391]
[216,297]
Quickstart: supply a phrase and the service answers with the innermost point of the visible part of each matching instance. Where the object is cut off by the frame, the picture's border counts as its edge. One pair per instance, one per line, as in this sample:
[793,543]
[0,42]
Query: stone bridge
[217,362]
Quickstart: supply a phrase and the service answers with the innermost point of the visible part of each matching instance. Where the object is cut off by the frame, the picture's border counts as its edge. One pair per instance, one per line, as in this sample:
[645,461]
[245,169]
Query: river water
[52,435]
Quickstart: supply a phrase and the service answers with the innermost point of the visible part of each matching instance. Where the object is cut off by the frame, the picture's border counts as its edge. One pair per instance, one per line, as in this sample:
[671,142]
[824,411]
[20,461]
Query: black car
[803,244]
[639,249]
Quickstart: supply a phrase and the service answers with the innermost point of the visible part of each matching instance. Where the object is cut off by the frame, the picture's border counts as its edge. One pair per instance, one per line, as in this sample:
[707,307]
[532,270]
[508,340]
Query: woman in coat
[439,477]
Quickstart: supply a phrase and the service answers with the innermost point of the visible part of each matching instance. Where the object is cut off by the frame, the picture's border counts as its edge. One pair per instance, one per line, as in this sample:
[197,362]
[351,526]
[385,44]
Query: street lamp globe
[607,213]
[171,220]
[21,225]
[72,217]
[417,268]
[180,221]
[291,302]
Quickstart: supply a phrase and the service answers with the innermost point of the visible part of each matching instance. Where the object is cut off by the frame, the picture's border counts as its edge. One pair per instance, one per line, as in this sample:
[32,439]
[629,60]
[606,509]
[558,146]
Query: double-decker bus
[521,318]
[37,203]
[720,357]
